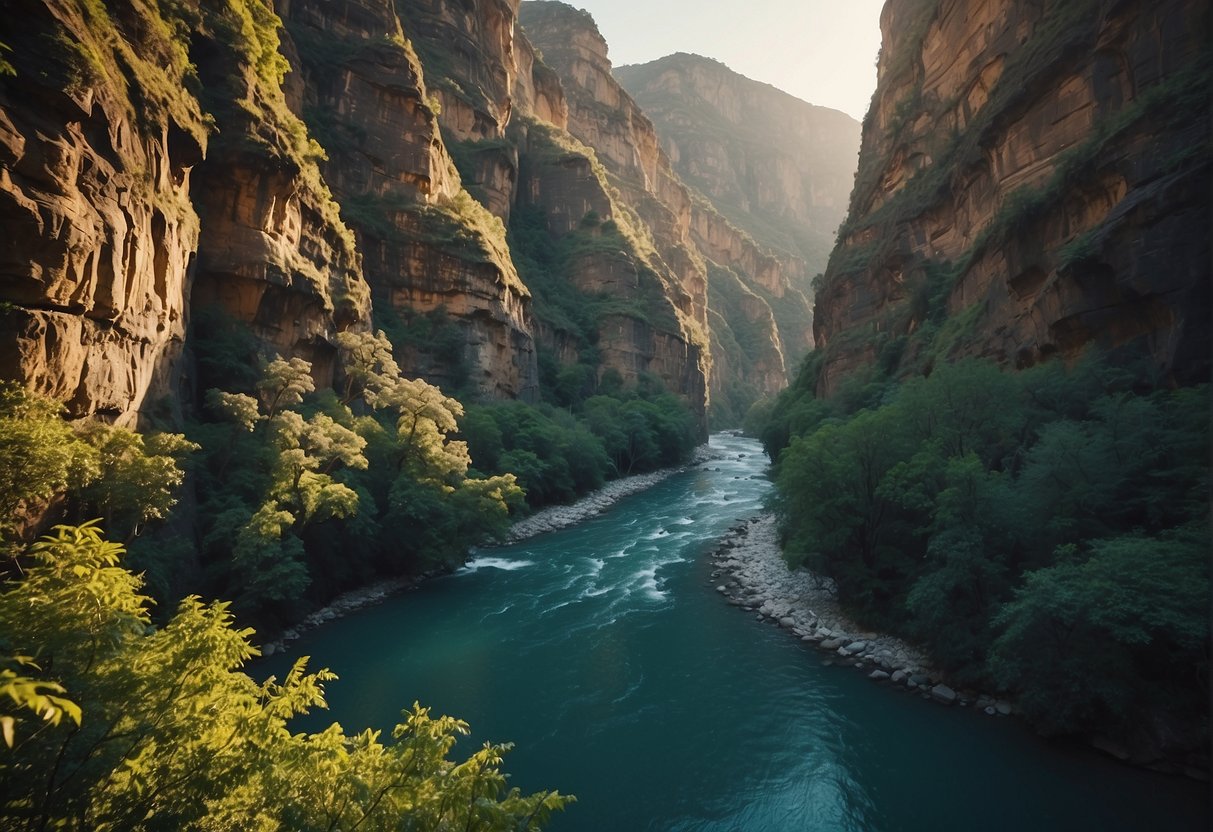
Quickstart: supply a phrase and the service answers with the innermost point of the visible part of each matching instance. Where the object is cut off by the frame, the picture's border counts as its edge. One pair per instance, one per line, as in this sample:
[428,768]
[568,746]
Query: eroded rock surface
[1032,181]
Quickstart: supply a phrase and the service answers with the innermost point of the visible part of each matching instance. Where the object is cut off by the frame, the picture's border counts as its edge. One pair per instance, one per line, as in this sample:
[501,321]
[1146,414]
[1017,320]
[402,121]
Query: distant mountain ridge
[776,166]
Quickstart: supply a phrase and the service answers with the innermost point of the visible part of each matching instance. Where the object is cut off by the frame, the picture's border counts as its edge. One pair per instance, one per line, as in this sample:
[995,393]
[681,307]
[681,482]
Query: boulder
[857,646]
[878,675]
[831,644]
[787,621]
[943,694]
[899,676]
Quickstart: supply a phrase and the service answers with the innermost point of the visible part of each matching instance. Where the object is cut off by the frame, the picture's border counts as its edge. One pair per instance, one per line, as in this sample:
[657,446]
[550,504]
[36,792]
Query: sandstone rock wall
[687,234]
[1033,180]
[642,314]
[273,253]
[427,245]
[192,156]
[98,232]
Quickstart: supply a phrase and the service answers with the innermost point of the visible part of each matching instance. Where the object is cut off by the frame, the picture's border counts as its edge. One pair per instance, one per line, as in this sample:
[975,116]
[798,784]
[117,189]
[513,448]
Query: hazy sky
[823,51]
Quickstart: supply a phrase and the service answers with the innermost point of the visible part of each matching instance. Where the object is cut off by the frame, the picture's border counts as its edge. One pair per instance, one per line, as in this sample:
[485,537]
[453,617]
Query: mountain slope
[775,166]
[749,289]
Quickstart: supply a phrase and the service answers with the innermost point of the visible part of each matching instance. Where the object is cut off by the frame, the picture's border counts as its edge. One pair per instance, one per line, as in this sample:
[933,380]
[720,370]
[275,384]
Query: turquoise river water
[603,652]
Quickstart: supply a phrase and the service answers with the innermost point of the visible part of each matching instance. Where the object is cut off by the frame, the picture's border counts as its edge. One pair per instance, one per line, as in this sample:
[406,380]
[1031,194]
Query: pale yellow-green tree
[137,475]
[40,455]
[368,365]
[284,383]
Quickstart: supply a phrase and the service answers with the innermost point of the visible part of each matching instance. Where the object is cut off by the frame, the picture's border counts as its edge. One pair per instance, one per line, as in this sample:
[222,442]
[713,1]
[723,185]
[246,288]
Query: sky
[822,51]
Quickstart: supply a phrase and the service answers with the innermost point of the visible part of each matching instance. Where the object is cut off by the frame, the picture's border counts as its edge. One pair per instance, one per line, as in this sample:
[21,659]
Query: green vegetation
[744,342]
[296,485]
[115,724]
[1043,532]
[110,722]
[558,455]
[103,470]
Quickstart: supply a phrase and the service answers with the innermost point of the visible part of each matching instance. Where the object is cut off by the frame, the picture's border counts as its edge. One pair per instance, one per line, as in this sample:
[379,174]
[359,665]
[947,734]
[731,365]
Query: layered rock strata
[428,247]
[690,239]
[274,253]
[1033,181]
[99,232]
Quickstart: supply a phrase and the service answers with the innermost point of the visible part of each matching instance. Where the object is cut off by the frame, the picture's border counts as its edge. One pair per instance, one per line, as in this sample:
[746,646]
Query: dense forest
[1044,533]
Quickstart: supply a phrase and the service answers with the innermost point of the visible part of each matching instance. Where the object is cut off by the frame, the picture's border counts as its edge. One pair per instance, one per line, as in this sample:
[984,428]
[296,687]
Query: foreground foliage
[117,725]
[1045,532]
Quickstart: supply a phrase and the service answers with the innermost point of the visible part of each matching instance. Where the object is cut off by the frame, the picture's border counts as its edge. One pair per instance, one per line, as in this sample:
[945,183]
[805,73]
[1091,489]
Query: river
[603,652]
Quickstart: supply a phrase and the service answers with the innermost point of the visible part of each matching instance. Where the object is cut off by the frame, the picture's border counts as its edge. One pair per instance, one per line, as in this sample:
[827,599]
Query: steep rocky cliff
[117,225]
[503,114]
[274,253]
[429,249]
[192,167]
[777,167]
[97,144]
[1033,179]
[703,255]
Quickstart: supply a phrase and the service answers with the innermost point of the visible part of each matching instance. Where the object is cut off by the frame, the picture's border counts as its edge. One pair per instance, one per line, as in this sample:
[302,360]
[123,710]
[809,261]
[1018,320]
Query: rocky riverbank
[545,520]
[561,517]
[751,574]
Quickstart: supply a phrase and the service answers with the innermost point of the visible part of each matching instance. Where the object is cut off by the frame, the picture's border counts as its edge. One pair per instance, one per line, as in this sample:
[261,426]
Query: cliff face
[692,242]
[98,228]
[274,253]
[503,114]
[1033,180]
[156,162]
[118,227]
[428,247]
[775,166]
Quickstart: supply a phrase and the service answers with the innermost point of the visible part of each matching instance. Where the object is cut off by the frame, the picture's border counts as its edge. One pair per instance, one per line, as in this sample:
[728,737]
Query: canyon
[357,165]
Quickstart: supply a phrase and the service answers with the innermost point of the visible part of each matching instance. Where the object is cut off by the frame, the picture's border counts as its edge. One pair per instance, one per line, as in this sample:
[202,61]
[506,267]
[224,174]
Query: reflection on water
[604,653]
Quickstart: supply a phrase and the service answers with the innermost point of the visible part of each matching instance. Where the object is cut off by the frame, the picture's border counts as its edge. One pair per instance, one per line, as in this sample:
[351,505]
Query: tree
[40,455]
[170,734]
[368,365]
[137,477]
[284,383]
[1107,634]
